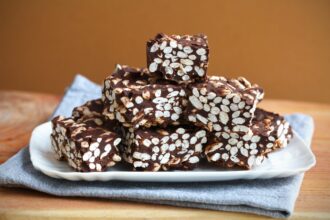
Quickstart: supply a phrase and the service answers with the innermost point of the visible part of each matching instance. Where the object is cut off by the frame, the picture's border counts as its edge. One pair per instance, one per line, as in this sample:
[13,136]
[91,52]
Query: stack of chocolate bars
[170,116]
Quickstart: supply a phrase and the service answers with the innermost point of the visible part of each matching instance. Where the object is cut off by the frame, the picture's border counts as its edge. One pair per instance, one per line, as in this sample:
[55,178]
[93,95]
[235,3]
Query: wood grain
[20,112]
[313,201]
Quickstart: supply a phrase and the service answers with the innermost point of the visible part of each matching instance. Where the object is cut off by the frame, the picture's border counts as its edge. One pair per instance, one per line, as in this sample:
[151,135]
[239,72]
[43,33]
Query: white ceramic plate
[295,158]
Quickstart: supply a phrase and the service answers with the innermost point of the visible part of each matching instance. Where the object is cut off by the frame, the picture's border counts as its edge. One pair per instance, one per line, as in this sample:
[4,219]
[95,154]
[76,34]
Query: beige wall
[282,45]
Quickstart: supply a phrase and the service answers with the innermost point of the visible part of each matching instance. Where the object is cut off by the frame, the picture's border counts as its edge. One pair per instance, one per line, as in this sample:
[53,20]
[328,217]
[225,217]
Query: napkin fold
[269,197]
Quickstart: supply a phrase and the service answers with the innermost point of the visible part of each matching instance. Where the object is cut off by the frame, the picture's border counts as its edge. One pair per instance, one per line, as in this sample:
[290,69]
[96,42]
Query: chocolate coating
[183,59]
[87,141]
[135,98]
[269,132]
[220,104]
[165,149]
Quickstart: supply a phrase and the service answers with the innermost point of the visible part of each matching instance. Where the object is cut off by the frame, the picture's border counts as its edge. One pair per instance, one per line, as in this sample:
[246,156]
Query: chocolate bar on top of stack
[170,116]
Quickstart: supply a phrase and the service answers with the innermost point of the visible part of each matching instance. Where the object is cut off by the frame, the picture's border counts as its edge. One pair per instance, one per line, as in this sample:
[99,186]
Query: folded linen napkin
[270,197]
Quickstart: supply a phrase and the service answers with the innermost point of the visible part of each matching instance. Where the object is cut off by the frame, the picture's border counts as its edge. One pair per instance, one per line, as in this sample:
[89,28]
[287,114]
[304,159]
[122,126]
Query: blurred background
[284,46]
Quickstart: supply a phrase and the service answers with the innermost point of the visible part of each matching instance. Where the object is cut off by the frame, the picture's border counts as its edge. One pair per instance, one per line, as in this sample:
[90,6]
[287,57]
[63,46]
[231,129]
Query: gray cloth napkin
[270,197]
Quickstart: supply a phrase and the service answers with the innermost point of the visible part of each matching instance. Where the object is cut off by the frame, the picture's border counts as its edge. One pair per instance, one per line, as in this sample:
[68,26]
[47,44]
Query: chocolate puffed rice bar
[154,149]
[87,140]
[183,59]
[91,114]
[135,98]
[269,131]
[91,109]
[220,104]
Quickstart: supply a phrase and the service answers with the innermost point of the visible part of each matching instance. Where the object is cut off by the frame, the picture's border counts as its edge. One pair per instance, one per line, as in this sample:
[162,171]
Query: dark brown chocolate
[183,59]
[222,104]
[269,132]
[172,148]
[135,98]
[88,141]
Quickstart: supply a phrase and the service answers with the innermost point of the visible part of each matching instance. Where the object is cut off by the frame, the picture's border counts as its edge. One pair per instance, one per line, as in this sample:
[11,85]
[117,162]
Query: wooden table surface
[20,112]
